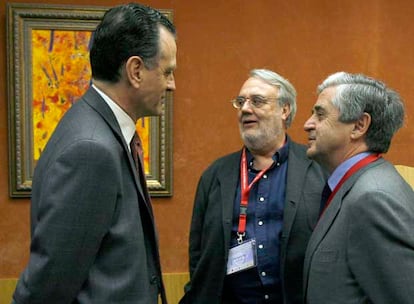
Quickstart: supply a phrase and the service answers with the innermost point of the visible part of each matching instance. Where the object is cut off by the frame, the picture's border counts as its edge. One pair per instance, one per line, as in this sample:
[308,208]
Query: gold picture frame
[30,28]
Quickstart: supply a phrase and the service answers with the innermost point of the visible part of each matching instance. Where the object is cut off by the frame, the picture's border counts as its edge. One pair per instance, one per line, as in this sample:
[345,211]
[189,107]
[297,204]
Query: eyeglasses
[256,101]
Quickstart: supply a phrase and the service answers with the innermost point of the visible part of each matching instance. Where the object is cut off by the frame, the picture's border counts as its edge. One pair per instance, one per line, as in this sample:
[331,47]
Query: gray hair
[287,93]
[357,94]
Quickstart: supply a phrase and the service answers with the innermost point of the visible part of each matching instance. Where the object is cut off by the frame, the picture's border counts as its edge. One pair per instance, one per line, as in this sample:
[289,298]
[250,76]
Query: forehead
[168,47]
[255,85]
[325,97]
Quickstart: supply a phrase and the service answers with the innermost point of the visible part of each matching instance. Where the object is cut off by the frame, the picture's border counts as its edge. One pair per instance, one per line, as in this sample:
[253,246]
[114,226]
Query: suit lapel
[228,177]
[327,218]
[99,105]
[322,227]
[295,176]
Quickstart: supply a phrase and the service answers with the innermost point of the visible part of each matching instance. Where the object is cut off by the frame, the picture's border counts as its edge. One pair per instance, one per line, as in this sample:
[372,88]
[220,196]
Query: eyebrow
[247,96]
[318,109]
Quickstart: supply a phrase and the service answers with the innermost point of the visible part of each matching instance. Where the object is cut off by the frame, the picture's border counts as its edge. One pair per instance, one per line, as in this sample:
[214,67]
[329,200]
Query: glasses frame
[255,104]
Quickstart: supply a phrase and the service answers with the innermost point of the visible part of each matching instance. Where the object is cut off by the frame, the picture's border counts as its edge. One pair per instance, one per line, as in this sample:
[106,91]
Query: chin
[157,111]
[310,153]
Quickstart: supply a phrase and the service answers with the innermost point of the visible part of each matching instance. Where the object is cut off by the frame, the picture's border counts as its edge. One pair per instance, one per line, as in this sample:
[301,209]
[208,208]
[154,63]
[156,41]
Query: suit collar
[96,101]
[125,122]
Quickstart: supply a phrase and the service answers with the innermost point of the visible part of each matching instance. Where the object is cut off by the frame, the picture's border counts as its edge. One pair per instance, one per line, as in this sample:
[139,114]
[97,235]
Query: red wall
[218,43]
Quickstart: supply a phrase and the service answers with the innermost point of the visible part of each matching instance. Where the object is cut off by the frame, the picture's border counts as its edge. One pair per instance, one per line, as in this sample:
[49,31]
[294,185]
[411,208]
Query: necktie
[136,150]
[137,155]
[324,198]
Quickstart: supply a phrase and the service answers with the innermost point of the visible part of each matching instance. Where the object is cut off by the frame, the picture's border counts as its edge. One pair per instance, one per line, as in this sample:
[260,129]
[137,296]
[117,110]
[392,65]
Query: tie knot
[326,191]
[135,138]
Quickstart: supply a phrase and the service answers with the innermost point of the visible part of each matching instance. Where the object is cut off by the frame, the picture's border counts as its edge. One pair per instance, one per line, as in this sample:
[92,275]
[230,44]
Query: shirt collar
[125,122]
[278,158]
[341,170]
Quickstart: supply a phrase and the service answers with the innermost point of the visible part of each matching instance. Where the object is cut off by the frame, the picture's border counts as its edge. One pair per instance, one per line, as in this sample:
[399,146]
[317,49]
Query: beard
[259,139]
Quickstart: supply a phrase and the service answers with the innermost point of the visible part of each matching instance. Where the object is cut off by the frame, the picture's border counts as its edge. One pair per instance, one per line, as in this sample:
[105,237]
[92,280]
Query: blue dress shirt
[261,284]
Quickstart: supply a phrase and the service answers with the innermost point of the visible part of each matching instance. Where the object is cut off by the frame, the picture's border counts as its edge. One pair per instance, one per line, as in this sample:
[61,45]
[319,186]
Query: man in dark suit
[247,244]
[362,249]
[92,227]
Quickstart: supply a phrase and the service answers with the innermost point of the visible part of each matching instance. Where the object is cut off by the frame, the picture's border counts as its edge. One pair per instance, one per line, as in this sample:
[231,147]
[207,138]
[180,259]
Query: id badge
[242,257]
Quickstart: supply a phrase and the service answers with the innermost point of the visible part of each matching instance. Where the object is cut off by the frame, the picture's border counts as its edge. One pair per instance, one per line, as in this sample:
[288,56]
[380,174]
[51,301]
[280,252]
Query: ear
[361,126]
[134,70]
[285,111]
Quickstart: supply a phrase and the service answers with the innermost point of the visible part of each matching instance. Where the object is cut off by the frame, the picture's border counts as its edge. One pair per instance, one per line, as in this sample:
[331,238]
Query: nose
[309,124]
[171,83]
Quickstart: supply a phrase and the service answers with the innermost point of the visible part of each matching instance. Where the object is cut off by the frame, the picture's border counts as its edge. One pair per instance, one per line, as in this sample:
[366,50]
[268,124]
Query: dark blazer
[362,250]
[93,234]
[212,223]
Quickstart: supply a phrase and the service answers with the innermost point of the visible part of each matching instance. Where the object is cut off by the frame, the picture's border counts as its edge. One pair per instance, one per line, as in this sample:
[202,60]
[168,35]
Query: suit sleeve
[74,212]
[381,246]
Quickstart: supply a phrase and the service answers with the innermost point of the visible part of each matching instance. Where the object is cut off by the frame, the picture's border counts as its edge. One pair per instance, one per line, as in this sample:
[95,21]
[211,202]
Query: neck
[354,150]
[117,92]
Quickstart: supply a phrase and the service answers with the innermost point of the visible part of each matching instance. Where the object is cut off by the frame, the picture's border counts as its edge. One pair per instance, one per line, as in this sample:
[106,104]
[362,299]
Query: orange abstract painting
[61,74]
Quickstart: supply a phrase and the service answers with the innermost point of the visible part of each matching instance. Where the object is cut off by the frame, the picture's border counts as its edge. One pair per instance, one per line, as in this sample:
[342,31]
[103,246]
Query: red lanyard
[245,191]
[360,164]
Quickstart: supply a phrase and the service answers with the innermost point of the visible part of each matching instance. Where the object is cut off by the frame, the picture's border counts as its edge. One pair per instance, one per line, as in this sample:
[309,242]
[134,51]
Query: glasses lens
[239,102]
[257,101]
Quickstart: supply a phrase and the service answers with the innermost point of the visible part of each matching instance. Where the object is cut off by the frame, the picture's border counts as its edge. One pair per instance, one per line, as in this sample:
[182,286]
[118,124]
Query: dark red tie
[137,154]
[136,150]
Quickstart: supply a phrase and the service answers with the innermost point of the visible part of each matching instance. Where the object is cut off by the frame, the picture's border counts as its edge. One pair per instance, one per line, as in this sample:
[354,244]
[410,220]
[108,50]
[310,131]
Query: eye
[257,100]
[319,114]
[168,73]
[240,101]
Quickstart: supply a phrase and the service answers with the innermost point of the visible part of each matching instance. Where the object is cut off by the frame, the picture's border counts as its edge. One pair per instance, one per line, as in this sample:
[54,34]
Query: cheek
[324,134]
[239,115]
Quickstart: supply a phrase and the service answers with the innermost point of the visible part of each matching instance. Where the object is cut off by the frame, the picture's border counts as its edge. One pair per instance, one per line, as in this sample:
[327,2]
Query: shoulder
[299,161]
[297,147]
[224,169]
[227,161]
[380,186]
[298,152]
[390,179]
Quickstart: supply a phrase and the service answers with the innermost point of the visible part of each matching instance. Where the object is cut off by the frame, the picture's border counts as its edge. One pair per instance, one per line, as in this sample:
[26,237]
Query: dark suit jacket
[212,223]
[93,234]
[362,250]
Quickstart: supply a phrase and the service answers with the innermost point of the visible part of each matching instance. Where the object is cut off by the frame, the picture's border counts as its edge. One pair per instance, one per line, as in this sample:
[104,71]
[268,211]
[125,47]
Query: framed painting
[47,71]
